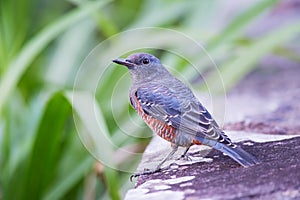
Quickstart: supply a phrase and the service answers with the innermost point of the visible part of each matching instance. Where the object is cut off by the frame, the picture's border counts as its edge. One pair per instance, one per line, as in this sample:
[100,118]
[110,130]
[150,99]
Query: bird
[173,112]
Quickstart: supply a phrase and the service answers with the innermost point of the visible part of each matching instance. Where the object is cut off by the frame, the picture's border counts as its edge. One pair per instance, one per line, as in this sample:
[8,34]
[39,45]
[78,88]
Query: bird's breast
[162,129]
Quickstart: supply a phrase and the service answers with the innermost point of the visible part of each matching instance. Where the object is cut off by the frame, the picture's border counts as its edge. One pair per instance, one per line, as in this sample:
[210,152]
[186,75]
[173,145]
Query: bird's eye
[146,61]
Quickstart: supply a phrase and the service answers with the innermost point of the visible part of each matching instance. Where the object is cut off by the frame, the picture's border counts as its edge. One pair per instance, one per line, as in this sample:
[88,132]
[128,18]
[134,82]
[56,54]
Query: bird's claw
[145,172]
[185,158]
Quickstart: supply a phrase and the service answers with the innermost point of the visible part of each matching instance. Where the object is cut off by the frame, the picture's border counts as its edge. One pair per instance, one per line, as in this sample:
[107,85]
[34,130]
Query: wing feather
[191,118]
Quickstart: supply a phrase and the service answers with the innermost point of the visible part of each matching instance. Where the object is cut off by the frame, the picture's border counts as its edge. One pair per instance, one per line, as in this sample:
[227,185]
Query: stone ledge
[219,177]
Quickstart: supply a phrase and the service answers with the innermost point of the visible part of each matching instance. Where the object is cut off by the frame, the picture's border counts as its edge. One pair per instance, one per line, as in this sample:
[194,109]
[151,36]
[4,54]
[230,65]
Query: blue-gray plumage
[173,112]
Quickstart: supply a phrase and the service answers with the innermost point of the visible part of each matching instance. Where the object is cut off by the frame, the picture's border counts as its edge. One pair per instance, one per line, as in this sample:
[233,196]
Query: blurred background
[44,42]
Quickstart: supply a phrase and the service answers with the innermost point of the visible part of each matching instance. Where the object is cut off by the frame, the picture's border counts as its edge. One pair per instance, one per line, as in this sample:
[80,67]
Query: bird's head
[143,66]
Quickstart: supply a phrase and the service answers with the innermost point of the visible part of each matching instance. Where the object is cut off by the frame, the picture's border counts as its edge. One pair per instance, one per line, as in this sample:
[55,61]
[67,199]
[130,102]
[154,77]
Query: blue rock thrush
[173,112]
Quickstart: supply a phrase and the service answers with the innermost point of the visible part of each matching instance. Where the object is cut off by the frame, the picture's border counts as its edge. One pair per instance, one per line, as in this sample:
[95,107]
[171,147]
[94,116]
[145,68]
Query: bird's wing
[190,118]
[160,103]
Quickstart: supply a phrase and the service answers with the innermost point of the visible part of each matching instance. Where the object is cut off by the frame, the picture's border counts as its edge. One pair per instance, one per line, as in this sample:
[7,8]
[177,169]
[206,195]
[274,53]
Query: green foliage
[235,69]
[43,43]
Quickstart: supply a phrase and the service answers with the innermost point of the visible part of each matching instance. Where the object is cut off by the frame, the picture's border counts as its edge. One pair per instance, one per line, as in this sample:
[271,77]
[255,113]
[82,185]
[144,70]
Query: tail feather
[239,155]
[235,152]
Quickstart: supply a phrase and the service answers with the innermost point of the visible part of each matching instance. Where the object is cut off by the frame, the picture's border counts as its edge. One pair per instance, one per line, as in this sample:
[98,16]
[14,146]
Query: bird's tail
[239,155]
[235,152]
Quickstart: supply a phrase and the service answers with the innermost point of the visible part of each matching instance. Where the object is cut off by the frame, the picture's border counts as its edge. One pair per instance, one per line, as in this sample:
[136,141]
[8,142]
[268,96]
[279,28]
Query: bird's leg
[174,149]
[184,156]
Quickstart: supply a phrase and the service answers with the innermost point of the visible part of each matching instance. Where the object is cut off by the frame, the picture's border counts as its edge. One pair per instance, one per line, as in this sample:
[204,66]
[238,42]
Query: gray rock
[219,177]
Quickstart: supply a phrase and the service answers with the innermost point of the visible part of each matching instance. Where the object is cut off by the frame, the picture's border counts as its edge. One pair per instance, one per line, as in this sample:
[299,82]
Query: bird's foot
[145,172]
[185,157]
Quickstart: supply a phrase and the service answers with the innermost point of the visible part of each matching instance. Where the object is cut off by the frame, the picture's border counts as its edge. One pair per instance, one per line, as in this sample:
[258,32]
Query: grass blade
[29,52]
[40,167]
[236,27]
[236,69]
[75,173]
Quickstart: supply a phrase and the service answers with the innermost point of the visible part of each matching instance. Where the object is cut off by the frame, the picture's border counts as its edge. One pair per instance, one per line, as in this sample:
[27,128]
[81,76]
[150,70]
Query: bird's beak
[124,62]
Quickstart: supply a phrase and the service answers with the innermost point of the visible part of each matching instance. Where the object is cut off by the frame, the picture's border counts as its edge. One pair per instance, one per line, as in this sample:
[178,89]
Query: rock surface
[219,177]
[274,106]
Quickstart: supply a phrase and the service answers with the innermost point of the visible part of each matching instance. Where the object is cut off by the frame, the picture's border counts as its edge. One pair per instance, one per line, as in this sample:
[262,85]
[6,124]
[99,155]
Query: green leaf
[94,134]
[69,179]
[47,148]
[112,180]
[236,69]
[41,166]
[91,125]
[33,47]
[220,44]
[236,27]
